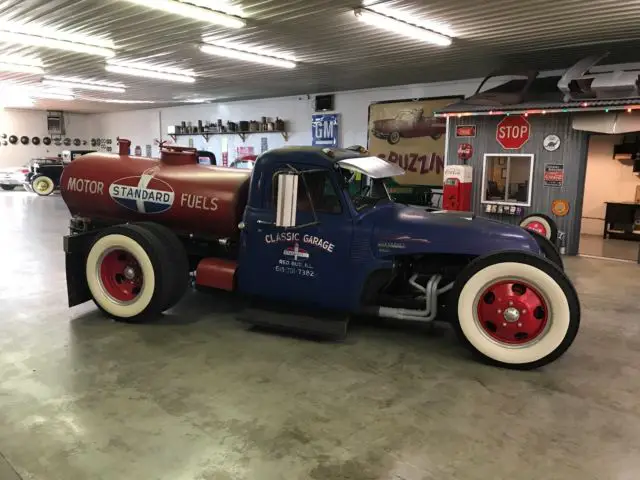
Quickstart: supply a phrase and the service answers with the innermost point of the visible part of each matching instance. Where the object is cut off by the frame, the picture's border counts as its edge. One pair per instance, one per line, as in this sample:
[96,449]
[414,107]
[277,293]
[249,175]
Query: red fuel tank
[174,191]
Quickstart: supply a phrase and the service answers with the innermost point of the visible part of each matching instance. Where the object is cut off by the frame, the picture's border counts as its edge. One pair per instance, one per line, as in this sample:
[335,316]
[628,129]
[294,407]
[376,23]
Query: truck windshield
[363,190]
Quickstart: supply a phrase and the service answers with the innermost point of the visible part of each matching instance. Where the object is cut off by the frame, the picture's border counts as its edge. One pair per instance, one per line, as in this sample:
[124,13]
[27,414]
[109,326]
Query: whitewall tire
[43,185]
[515,310]
[542,224]
[128,273]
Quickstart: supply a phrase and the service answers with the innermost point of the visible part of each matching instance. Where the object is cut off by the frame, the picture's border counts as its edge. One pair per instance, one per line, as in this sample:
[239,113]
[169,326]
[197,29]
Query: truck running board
[332,326]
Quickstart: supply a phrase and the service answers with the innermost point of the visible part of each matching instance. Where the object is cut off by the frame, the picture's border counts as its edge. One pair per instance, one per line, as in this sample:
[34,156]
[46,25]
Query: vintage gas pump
[456,194]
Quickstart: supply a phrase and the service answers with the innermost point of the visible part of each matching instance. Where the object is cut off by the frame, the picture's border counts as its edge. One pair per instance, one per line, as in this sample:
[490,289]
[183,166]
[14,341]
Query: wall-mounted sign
[560,208]
[465,151]
[147,150]
[244,151]
[406,133]
[551,143]
[513,132]
[138,151]
[264,144]
[465,131]
[553,174]
[324,130]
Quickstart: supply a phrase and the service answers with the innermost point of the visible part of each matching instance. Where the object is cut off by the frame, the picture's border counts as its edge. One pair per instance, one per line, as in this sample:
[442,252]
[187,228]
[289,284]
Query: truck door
[306,264]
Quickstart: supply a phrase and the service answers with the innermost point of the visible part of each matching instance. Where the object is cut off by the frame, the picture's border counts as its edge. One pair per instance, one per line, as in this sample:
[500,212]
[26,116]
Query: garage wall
[145,126]
[33,123]
[571,153]
[607,180]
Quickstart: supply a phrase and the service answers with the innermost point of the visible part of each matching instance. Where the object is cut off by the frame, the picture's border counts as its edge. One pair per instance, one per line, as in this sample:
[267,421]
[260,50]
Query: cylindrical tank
[174,191]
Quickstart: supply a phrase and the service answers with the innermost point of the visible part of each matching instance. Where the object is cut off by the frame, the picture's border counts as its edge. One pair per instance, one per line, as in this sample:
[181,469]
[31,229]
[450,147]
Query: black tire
[38,180]
[179,261]
[549,250]
[393,138]
[550,227]
[154,259]
[556,334]
[8,188]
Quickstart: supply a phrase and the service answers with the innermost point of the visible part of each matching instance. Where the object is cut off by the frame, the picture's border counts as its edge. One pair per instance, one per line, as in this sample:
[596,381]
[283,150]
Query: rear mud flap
[75,248]
[326,325]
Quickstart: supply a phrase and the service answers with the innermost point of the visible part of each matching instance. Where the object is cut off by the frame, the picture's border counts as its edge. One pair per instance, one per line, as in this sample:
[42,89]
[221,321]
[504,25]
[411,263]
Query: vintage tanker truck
[295,232]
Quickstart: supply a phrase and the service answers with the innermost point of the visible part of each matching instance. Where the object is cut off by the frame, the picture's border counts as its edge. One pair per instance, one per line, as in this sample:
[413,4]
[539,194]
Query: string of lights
[584,107]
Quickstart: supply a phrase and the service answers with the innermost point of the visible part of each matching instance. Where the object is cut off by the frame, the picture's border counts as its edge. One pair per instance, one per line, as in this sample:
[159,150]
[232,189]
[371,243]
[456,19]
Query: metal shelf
[242,135]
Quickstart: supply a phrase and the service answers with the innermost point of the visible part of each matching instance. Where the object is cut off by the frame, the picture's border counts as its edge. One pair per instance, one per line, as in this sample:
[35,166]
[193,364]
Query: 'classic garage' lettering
[295,237]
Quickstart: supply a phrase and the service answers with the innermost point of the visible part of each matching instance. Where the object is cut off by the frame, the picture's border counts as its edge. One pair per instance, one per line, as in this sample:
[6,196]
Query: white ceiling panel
[334,51]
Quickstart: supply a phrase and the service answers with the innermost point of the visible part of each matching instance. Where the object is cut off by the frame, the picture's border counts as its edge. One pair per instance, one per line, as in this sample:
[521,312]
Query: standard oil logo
[143,194]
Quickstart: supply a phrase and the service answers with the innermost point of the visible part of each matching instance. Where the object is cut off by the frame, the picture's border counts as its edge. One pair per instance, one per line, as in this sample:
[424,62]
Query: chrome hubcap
[129,273]
[511,314]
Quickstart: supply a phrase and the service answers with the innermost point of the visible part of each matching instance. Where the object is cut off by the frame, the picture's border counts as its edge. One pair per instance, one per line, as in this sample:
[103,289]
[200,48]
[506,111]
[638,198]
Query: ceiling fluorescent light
[224,6]
[14,63]
[405,16]
[49,38]
[150,66]
[192,11]
[17,103]
[238,54]
[401,27]
[17,68]
[113,100]
[81,86]
[196,100]
[51,96]
[137,72]
[84,81]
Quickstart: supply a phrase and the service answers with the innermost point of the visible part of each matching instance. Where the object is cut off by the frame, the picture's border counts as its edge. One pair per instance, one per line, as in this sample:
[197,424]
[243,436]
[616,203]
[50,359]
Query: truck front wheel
[128,273]
[515,310]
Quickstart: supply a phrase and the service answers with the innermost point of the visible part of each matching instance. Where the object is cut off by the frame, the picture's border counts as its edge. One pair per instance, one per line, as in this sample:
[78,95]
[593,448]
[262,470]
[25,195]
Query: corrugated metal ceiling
[335,51]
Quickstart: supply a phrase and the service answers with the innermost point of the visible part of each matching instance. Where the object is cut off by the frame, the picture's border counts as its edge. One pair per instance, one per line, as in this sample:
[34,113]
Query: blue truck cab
[340,236]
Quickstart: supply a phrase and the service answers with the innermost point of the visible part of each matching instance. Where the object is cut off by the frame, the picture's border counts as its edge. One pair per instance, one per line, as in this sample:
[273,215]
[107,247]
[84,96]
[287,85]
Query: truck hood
[401,229]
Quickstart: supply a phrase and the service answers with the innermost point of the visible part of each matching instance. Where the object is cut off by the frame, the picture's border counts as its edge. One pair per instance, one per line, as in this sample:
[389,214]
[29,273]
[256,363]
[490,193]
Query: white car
[12,177]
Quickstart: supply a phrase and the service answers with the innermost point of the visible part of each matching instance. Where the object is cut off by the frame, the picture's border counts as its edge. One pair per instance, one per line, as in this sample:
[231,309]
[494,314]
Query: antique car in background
[44,175]
[246,162]
[409,124]
[12,177]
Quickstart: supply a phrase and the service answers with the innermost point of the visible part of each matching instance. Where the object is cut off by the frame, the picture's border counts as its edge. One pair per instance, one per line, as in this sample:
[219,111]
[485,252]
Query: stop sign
[513,132]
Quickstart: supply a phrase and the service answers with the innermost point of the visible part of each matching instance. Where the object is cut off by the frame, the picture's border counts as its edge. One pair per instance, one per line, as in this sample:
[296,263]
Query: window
[506,179]
[321,191]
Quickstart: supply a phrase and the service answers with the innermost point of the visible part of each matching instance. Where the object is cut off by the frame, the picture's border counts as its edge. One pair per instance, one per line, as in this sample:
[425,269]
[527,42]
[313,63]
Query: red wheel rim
[512,312]
[537,227]
[121,275]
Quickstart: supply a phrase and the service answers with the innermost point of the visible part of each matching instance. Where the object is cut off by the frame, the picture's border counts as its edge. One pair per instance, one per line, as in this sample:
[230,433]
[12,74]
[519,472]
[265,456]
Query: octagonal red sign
[513,132]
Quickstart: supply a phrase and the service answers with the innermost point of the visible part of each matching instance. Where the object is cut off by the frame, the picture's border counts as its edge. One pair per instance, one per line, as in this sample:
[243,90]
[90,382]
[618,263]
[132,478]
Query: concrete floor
[595,245]
[197,396]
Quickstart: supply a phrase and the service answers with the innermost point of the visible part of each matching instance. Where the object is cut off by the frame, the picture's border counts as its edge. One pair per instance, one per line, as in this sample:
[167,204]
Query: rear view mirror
[287,199]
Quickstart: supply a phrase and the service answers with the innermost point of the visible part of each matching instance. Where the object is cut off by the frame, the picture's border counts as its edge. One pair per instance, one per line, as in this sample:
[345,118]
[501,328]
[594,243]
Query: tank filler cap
[175,155]
[124,146]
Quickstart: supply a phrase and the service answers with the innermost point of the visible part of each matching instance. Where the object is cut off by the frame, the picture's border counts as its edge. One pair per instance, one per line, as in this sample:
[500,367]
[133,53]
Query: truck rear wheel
[128,271]
[179,262]
[8,187]
[515,310]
